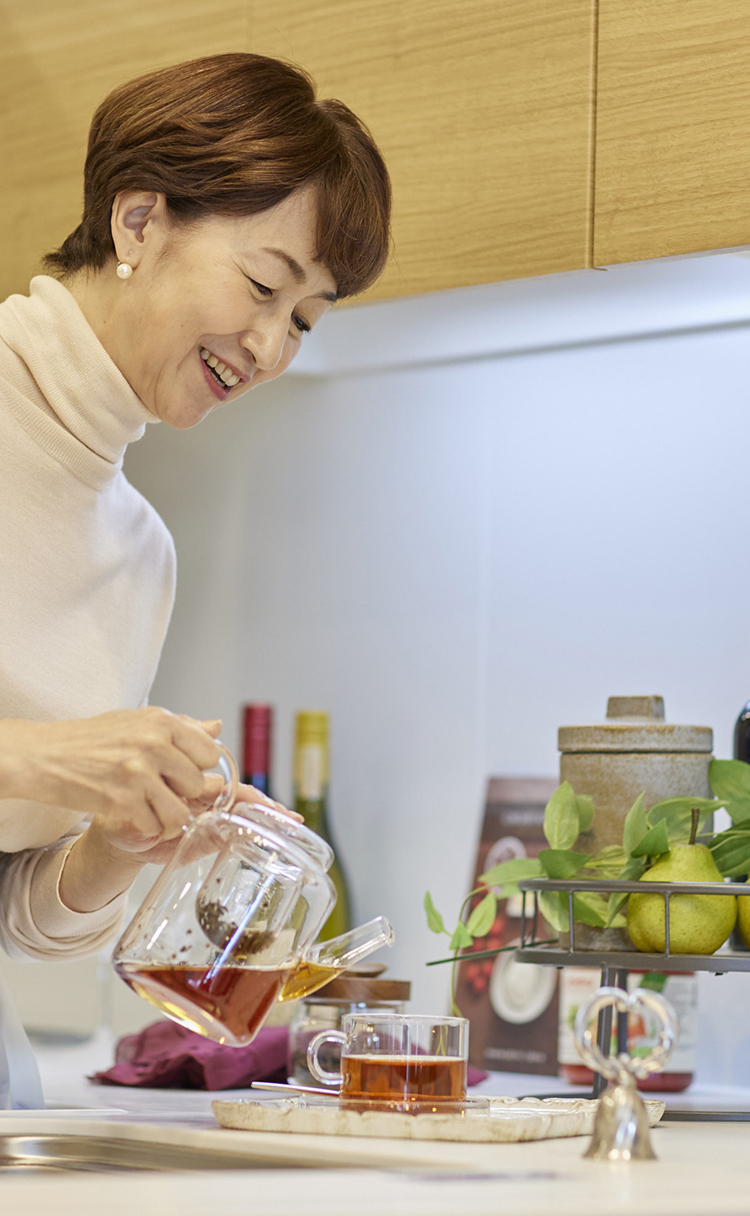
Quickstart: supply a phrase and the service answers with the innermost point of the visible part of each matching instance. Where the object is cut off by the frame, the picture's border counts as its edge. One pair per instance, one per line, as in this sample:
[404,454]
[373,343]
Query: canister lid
[635,724]
[357,989]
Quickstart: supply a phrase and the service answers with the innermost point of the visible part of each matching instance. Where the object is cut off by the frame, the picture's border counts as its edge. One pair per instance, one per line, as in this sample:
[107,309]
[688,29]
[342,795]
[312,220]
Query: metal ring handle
[624,1066]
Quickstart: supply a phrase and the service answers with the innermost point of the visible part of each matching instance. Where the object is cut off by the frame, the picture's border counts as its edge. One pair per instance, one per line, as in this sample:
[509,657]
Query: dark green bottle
[741,752]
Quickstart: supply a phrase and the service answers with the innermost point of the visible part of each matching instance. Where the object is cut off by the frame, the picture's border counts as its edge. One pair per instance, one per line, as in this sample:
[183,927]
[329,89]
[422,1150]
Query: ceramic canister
[634,751]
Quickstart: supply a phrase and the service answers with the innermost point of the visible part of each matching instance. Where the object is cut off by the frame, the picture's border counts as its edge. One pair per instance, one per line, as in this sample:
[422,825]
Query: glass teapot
[229,926]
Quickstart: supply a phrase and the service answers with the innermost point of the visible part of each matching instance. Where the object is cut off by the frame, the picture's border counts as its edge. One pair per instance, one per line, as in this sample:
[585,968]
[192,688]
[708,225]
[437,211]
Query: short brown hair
[233,135]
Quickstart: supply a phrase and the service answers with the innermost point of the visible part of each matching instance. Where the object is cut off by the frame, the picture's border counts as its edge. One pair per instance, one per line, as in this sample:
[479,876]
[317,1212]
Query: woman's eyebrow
[298,272]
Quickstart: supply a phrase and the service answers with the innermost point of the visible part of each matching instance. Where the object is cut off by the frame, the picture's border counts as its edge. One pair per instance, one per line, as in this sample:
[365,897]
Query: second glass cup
[409,1062]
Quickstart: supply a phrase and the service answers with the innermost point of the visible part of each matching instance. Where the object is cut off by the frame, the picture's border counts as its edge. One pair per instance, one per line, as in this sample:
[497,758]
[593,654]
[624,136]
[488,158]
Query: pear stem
[694,826]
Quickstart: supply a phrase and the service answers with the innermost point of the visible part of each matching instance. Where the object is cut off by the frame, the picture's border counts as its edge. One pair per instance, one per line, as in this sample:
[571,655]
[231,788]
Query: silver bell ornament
[621,1124]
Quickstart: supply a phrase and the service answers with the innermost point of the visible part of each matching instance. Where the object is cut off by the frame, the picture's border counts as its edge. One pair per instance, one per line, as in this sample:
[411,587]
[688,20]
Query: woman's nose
[266,342]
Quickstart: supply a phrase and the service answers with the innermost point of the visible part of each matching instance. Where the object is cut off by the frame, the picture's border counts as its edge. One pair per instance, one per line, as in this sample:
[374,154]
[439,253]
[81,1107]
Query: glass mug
[407,1062]
[230,923]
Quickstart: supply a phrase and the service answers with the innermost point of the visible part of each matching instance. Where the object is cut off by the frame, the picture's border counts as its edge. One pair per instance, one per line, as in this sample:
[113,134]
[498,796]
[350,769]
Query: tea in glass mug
[396,1061]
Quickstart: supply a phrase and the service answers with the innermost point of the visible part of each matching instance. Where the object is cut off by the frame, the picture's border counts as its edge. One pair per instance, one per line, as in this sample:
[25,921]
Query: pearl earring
[124,270]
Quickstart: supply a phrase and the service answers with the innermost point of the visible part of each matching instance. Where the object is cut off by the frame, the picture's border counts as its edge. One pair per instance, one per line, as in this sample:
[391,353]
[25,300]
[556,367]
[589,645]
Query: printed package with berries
[512,1007]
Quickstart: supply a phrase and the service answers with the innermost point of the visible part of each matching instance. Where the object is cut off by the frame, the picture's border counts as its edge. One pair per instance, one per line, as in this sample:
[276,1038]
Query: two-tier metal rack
[615,964]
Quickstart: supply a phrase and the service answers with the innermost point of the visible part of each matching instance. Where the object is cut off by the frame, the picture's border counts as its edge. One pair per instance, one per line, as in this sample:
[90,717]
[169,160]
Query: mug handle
[228,766]
[314,1046]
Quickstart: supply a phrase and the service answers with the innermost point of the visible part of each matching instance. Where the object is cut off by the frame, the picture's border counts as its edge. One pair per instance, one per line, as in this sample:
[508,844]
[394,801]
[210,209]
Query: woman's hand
[131,769]
[139,773]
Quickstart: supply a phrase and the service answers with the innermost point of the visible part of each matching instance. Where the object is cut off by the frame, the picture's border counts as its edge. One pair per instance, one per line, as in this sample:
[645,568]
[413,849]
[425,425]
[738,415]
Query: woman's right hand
[131,768]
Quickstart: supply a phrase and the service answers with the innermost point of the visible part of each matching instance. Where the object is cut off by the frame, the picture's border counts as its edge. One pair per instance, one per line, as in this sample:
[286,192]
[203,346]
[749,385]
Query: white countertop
[702,1168]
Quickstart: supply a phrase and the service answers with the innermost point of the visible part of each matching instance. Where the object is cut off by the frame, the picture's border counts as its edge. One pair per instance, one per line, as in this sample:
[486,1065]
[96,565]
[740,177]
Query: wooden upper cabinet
[483,112]
[58,59]
[672,128]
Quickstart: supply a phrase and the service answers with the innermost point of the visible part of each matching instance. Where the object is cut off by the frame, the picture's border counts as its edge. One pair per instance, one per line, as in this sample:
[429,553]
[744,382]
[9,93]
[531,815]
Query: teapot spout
[352,947]
[324,961]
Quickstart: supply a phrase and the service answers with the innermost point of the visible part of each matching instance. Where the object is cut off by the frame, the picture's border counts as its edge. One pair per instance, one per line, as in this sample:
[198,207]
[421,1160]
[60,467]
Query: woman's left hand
[245,793]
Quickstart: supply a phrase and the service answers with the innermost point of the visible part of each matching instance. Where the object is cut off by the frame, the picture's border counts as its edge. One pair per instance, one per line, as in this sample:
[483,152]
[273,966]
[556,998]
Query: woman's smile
[221,376]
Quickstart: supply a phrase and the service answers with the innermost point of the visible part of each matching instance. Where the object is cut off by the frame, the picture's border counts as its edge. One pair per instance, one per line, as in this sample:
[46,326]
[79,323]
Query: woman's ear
[138,223]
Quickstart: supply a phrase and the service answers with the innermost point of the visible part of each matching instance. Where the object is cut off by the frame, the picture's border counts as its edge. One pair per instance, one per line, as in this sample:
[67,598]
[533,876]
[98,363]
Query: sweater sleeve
[34,922]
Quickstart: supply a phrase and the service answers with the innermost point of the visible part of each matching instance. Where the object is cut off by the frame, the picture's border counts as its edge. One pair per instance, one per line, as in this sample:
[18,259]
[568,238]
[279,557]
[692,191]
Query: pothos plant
[646,836]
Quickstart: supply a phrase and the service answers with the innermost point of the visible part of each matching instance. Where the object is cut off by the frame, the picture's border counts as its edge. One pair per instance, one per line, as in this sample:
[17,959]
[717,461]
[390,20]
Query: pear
[698,924]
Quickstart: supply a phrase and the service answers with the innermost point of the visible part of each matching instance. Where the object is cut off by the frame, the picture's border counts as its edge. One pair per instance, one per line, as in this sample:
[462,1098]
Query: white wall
[456,559]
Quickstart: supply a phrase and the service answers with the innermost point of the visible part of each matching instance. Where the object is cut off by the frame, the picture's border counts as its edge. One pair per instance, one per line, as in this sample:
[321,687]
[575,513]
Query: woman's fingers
[248,793]
[143,773]
[195,740]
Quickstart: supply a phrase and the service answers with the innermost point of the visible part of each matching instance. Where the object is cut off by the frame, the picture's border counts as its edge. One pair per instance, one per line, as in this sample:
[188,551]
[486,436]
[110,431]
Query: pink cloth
[475,1075]
[167,1056]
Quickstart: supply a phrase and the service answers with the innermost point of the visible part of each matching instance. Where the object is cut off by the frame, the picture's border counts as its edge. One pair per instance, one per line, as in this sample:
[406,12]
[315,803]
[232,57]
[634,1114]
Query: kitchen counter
[701,1168]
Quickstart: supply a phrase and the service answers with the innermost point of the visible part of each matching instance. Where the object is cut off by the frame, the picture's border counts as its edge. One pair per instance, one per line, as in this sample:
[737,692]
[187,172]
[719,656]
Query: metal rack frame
[615,964]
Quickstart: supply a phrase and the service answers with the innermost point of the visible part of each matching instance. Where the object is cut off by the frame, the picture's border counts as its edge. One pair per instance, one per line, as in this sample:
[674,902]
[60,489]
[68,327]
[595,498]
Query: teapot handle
[230,773]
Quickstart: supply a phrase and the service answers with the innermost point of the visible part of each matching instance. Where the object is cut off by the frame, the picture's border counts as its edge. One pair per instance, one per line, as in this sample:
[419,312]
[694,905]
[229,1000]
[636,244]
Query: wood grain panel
[673,128]
[483,113]
[58,59]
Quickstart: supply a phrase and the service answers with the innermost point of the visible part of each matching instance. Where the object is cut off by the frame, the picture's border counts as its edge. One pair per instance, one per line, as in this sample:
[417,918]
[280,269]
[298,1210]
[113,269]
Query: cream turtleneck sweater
[86,584]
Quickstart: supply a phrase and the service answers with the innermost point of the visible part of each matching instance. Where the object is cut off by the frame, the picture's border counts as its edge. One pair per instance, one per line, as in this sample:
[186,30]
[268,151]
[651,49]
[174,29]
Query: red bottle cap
[256,738]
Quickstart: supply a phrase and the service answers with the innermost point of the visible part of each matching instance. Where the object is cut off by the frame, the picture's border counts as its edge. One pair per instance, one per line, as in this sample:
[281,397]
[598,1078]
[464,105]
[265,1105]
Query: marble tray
[506,1120]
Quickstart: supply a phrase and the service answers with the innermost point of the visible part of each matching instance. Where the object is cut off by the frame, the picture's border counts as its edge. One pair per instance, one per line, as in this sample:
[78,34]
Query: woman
[225,210]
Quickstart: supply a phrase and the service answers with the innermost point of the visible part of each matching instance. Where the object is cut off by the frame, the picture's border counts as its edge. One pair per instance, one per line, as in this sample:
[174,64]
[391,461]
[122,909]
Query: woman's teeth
[223,374]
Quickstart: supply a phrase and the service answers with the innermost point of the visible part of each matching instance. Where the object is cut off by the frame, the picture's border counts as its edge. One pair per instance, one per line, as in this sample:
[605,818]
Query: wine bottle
[311,768]
[257,723]
[742,735]
[741,752]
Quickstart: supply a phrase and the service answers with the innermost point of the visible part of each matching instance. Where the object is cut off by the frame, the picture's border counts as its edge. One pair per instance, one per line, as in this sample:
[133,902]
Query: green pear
[698,924]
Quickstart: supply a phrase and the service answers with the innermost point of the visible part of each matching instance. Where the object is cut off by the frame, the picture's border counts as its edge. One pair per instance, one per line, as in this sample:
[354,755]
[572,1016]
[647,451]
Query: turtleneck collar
[88,413]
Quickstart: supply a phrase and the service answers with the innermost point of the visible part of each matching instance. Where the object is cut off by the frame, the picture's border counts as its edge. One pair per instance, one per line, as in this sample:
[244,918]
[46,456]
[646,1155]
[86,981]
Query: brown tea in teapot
[228,1004]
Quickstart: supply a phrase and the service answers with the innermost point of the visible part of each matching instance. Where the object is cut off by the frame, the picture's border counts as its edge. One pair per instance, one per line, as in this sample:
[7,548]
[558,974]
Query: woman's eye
[264,291]
[300,323]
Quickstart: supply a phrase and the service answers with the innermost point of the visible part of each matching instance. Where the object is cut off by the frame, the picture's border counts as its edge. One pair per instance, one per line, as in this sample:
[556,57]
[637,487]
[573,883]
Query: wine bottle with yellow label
[311,767]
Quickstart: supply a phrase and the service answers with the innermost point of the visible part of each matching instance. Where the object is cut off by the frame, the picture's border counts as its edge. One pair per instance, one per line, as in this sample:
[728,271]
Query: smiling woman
[225,210]
[238,208]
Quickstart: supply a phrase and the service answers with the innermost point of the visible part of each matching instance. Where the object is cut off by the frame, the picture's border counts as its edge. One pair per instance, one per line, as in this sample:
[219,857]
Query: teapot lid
[635,724]
[291,829]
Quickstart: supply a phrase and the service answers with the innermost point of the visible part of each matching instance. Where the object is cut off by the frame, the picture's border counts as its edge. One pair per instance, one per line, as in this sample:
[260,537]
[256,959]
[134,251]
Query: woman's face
[213,309]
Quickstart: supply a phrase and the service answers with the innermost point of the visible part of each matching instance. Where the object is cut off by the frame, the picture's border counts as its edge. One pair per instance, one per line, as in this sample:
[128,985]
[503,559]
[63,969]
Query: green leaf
[731,852]
[591,909]
[482,917]
[461,937]
[514,870]
[434,919]
[553,906]
[585,804]
[608,861]
[678,815]
[561,826]
[635,826]
[654,843]
[631,872]
[562,863]
[730,781]
[507,890]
